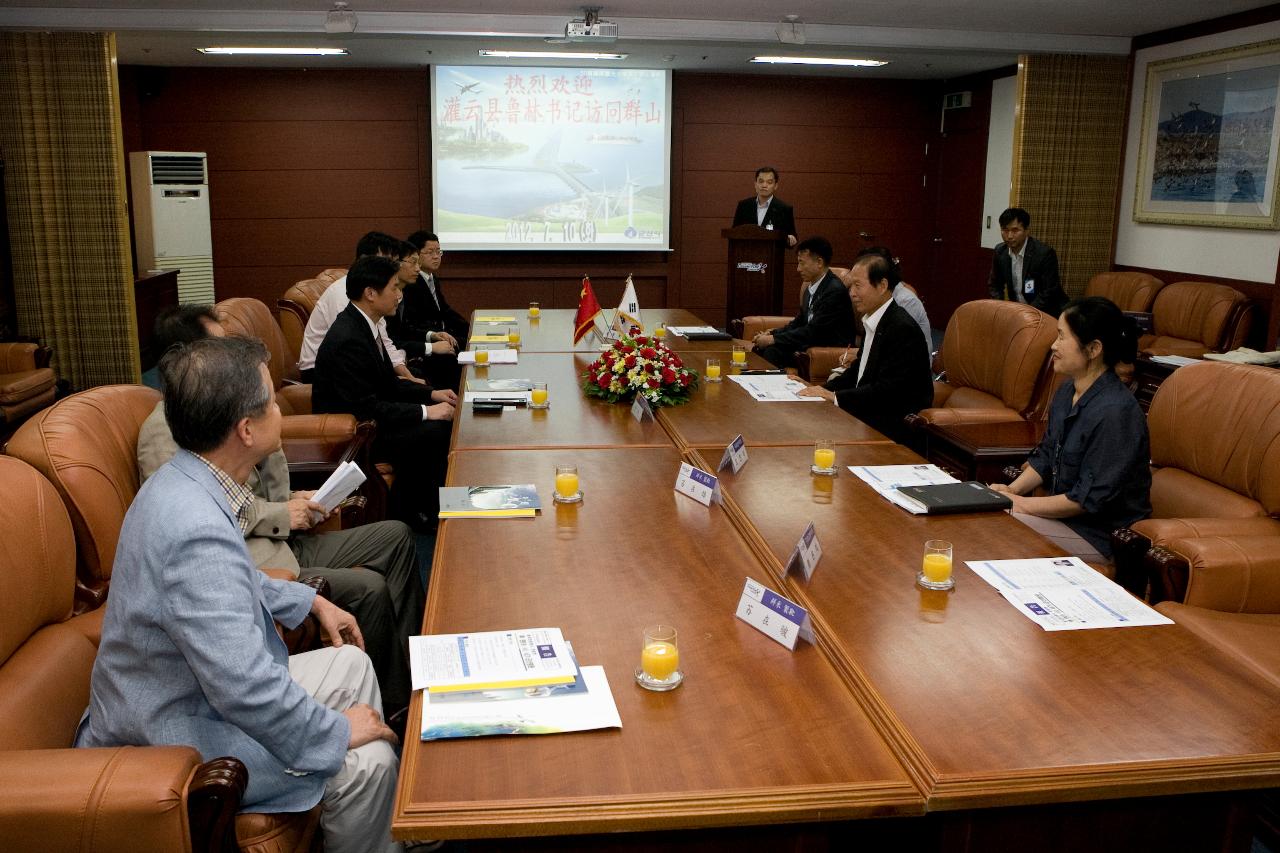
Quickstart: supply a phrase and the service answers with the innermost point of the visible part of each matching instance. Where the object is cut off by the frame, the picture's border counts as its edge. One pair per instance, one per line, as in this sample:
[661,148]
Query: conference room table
[950,717]
[552,330]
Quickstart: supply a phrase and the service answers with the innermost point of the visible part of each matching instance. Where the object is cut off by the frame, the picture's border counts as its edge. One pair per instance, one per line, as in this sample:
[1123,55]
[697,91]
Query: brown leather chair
[1131,291]
[814,364]
[130,799]
[253,319]
[1215,445]
[26,381]
[1192,318]
[296,305]
[996,367]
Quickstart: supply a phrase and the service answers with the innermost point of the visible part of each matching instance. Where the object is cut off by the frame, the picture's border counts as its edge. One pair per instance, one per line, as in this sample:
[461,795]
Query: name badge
[806,554]
[1029,286]
[735,454]
[774,616]
[641,410]
[698,484]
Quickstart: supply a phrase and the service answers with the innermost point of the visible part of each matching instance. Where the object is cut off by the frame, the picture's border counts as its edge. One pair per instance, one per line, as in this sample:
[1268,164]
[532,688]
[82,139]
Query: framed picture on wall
[1210,139]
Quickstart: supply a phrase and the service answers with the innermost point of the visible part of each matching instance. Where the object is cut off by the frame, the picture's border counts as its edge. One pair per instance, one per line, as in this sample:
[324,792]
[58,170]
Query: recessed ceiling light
[272,51]
[819,60]
[550,54]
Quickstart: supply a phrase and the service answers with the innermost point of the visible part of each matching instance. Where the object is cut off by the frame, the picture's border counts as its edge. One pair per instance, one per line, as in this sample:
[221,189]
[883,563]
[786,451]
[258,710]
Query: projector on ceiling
[591,31]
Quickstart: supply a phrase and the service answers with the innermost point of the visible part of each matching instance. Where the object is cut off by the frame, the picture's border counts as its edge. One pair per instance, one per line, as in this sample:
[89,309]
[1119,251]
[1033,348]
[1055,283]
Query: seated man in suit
[189,654]
[424,325]
[902,294]
[334,299]
[354,374]
[826,314]
[765,209]
[384,591]
[1024,269]
[891,377]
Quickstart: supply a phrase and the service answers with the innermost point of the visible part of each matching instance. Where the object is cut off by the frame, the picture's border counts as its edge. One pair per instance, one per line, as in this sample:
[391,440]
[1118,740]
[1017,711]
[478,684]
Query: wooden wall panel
[304,162]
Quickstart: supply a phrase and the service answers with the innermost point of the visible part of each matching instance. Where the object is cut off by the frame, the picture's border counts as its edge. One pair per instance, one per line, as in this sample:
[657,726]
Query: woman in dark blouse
[1095,459]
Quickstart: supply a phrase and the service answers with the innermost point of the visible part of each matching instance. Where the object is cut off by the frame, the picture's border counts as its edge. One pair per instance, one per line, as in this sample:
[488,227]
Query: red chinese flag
[588,308]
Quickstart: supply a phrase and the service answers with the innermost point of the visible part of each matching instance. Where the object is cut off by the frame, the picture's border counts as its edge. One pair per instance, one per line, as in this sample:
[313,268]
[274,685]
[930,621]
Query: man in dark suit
[1024,269]
[891,377]
[764,209]
[424,325]
[354,375]
[826,314]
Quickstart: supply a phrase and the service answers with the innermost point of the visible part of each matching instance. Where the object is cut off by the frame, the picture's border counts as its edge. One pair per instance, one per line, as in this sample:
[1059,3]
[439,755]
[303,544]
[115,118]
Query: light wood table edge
[588,815]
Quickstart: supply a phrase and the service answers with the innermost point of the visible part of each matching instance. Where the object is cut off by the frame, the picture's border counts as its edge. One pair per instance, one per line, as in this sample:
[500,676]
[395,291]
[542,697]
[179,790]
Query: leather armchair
[1215,439]
[296,305]
[250,318]
[1233,598]
[26,381]
[996,366]
[1131,291]
[814,364]
[1194,317]
[132,799]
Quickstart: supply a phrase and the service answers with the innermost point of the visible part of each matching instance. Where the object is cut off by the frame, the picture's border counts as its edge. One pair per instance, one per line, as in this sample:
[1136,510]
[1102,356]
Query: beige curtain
[65,194]
[1068,152]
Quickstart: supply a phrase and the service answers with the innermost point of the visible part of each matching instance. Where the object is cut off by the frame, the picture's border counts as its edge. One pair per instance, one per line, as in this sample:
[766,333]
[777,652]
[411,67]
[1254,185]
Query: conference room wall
[303,162]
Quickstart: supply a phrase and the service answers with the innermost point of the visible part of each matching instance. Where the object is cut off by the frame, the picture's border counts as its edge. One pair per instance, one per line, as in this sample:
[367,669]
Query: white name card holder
[735,454]
[641,410]
[774,616]
[698,484]
[806,554]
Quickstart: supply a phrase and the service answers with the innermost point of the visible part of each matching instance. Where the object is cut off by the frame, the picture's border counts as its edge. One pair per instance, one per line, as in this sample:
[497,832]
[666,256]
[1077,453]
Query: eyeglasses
[433,253]
[410,261]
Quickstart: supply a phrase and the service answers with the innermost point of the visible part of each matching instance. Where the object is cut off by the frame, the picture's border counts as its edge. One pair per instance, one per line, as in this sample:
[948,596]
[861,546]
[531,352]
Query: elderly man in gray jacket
[189,654]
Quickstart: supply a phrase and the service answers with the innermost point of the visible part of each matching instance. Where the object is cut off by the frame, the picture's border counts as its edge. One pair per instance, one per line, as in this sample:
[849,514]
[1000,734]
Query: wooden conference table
[950,714]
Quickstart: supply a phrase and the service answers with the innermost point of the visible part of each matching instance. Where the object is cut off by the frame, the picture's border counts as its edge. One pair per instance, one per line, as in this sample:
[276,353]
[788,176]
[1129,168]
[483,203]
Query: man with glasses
[424,325]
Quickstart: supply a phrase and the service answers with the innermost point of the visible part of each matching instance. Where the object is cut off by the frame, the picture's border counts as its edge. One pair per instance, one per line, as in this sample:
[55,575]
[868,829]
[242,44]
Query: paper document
[493,318]
[774,388]
[489,339]
[1064,594]
[1175,360]
[344,480]
[496,356]
[489,660]
[540,714]
[685,331]
[886,479]
[510,397]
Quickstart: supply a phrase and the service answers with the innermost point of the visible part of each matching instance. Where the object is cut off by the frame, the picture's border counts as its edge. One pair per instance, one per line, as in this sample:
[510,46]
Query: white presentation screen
[551,158]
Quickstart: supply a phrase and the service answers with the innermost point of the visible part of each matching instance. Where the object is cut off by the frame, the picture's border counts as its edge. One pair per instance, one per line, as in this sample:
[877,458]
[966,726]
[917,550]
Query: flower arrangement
[639,365]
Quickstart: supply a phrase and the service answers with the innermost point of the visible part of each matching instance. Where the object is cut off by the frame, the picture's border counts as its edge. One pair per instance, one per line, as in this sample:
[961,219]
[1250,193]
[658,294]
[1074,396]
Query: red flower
[641,339]
[668,376]
[648,352]
[630,362]
[675,361]
[625,348]
[652,382]
[603,380]
[686,378]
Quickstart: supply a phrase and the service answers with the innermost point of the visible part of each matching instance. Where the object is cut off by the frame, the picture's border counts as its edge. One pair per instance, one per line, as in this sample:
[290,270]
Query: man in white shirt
[334,299]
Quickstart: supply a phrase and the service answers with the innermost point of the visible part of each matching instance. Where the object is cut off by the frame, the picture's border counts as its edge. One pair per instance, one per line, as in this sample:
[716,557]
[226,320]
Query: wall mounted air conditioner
[170,193]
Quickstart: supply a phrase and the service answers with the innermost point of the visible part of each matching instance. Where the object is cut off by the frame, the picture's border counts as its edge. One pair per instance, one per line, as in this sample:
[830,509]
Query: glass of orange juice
[659,667]
[535,310]
[513,336]
[567,491]
[824,458]
[713,370]
[935,573]
[482,357]
[660,331]
[739,355]
[538,396]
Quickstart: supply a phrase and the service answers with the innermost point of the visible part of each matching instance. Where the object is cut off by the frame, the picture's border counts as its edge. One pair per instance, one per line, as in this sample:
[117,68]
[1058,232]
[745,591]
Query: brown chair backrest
[251,318]
[332,274]
[296,306]
[87,446]
[1211,315]
[1221,422]
[1131,291]
[998,347]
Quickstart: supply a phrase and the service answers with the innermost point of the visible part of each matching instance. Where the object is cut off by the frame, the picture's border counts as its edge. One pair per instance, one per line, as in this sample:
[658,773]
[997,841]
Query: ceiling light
[340,19]
[819,60]
[272,51]
[550,54]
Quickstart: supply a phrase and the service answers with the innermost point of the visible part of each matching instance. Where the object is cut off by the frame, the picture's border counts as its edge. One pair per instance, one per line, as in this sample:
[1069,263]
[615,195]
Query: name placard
[698,484]
[735,455]
[806,554]
[641,410]
[773,615]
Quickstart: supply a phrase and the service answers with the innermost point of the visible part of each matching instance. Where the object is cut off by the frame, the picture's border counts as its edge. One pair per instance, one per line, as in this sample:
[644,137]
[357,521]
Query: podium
[756,258]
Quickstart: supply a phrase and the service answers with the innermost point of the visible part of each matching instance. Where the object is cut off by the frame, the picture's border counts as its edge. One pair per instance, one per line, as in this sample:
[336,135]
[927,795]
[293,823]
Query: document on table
[886,479]
[774,388]
[510,397]
[1174,360]
[1064,594]
[685,331]
[540,714]
[490,659]
[496,356]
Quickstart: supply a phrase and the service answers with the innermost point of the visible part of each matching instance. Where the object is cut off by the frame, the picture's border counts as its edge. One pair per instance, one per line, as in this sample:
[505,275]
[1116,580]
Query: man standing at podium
[766,210]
